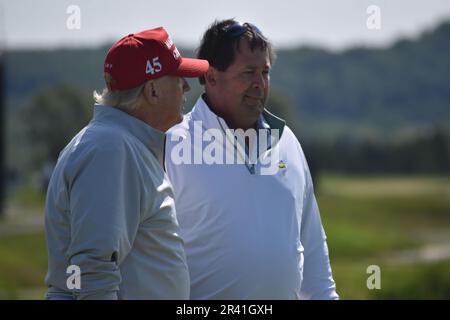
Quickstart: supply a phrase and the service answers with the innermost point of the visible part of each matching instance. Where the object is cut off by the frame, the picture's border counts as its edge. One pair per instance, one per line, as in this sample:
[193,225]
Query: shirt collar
[150,137]
[202,112]
[262,123]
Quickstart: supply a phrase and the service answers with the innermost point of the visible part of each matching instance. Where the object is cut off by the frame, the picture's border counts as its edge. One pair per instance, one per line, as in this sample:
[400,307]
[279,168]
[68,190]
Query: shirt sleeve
[318,283]
[104,215]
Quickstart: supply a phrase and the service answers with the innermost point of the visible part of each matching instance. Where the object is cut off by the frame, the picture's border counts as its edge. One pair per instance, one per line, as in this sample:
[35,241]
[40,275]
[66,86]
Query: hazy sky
[334,24]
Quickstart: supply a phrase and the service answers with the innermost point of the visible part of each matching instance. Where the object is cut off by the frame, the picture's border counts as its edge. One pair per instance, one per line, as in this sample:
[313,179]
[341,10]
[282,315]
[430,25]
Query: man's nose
[258,81]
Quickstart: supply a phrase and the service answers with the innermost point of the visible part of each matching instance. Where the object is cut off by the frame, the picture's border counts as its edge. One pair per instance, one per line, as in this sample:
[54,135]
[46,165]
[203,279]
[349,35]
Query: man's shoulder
[289,136]
[95,139]
[291,144]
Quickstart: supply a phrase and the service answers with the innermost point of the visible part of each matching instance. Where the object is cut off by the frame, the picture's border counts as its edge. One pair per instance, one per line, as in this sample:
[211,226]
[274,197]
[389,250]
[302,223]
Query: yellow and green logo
[281,165]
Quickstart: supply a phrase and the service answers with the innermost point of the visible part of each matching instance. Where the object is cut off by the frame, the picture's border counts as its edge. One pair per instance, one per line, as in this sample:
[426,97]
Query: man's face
[241,91]
[172,89]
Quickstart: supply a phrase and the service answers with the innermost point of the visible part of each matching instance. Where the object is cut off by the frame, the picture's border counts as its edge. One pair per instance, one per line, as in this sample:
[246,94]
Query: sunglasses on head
[238,29]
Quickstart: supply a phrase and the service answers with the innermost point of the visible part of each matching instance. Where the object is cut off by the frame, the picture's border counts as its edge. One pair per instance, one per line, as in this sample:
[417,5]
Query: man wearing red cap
[110,219]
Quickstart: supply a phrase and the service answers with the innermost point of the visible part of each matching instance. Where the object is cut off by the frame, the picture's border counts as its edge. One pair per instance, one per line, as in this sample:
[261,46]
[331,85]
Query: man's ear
[211,76]
[151,93]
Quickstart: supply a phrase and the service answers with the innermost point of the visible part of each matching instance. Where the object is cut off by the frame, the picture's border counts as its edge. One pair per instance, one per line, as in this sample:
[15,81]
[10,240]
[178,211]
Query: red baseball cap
[146,55]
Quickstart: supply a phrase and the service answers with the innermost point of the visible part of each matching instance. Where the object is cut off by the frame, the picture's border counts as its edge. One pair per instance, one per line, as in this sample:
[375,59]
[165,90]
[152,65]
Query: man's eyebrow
[252,66]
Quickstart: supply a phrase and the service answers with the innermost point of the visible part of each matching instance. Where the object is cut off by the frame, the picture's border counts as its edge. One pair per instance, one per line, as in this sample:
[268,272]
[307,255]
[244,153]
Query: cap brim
[190,68]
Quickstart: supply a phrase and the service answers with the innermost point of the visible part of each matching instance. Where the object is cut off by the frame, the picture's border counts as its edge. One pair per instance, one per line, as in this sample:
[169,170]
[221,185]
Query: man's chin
[256,108]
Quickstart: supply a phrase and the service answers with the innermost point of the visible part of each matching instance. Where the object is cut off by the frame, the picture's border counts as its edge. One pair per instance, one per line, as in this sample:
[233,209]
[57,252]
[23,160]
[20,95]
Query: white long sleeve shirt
[248,235]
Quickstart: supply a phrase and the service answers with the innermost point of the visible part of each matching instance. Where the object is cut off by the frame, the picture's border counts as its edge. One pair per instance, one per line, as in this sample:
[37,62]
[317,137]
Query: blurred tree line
[372,91]
[426,153]
[361,110]
[405,84]
[50,120]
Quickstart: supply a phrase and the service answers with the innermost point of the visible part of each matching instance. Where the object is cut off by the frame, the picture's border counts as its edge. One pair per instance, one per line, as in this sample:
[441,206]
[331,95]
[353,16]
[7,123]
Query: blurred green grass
[28,195]
[368,220]
[23,264]
[415,281]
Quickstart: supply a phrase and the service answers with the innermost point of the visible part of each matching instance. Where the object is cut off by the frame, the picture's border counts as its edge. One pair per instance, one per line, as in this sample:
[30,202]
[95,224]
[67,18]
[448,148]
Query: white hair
[123,99]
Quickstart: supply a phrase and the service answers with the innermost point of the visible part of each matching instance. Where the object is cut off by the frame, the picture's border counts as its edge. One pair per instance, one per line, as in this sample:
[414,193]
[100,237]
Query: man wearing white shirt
[243,190]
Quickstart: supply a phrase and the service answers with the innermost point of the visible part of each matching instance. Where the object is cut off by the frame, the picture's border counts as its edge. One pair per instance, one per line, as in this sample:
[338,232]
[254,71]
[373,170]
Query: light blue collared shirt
[110,212]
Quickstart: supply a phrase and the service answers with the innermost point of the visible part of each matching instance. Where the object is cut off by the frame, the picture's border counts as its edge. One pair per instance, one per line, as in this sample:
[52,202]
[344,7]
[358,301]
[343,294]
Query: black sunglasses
[237,29]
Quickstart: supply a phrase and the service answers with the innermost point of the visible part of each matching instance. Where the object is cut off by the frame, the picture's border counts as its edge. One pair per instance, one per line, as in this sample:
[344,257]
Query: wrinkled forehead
[257,56]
